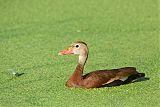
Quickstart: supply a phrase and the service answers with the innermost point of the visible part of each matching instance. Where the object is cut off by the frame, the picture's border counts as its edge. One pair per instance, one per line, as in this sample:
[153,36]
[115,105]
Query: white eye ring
[77,46]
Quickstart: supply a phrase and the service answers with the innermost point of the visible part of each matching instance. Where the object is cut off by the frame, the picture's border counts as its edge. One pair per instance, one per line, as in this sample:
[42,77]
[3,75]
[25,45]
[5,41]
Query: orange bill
[66,51]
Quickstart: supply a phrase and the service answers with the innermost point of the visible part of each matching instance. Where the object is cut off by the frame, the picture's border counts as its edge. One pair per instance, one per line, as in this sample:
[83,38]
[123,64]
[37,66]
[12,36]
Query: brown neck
[78,73]
[76,79]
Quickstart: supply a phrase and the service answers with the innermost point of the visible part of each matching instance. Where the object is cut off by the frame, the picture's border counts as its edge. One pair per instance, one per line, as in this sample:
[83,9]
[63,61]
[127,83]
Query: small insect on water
[15,73]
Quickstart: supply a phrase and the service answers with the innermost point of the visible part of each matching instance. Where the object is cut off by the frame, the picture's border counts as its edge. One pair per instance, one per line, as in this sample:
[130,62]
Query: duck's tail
[135,78]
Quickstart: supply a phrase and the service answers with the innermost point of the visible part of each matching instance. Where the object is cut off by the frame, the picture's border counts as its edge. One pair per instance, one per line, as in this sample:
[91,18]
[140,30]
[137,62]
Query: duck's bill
[66,51]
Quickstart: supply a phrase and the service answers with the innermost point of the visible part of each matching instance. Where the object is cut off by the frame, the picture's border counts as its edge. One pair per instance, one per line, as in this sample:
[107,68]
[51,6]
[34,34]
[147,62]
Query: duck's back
[103,77]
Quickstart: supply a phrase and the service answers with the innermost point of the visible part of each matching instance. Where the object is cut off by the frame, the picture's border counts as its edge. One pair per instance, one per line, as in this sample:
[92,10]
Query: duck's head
[78,47]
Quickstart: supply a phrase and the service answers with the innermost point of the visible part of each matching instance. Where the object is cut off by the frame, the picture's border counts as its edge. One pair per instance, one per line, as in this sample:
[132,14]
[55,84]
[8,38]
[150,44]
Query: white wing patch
[116,78]
[124,78]
[111,80]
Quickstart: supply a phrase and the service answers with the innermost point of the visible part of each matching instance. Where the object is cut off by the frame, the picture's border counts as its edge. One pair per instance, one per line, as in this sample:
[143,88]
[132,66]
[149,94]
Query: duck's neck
[82,59]
[78,73]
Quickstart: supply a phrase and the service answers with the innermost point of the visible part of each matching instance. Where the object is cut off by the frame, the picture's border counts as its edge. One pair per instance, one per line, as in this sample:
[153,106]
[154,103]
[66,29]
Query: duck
[98,78]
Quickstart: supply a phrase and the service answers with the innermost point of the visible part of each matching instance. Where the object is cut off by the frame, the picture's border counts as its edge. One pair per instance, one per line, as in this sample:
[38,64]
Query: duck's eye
[77,46]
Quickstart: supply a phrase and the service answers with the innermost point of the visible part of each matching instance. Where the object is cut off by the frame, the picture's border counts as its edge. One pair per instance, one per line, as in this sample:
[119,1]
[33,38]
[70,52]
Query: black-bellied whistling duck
[97,78]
